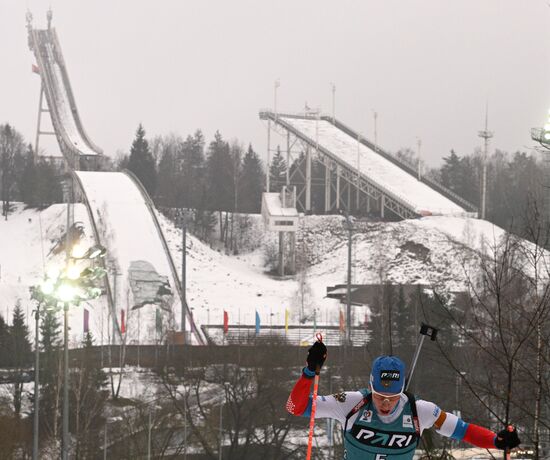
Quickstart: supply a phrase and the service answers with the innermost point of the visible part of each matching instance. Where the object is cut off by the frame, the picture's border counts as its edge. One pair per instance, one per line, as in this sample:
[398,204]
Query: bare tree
[501,323]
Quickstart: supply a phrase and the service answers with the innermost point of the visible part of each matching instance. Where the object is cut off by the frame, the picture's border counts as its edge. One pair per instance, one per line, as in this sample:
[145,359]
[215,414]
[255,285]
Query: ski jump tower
[121,213]
[359,176]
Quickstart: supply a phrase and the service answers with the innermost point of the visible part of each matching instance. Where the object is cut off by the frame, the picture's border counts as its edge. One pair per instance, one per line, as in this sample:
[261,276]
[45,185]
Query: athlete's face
[385,402]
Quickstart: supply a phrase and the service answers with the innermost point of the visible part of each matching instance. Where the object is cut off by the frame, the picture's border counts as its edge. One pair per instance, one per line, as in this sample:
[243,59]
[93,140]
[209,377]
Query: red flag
[35,68]
[342,323]
[225,322]
[122,322]
[86,321]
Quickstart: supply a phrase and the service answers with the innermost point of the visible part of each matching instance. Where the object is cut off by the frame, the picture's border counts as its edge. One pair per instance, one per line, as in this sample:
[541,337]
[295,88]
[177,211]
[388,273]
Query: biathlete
[384,421]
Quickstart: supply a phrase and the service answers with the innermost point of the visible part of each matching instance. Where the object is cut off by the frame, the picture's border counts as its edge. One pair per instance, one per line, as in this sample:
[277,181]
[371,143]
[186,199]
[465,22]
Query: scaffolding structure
[346,188]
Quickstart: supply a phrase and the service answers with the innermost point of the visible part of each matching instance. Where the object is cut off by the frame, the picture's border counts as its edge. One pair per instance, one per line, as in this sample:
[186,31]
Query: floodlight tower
[542,136]
[49,16]
[485,135]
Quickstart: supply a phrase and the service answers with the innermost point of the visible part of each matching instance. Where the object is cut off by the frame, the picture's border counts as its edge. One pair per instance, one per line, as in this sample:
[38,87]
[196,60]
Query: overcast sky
[426,66]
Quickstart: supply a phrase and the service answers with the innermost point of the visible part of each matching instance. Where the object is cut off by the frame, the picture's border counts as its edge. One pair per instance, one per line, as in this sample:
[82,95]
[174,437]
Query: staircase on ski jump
[364,165]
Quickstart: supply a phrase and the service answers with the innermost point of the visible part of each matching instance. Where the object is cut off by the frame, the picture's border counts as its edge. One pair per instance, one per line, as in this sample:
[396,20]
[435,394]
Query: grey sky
[426,66]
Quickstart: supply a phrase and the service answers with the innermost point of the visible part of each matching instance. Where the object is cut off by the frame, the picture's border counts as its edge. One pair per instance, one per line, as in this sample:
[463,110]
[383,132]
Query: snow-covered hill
[440,251]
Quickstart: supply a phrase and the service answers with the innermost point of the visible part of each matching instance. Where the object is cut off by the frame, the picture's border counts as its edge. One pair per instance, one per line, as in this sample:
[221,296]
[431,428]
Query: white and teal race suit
[368,435]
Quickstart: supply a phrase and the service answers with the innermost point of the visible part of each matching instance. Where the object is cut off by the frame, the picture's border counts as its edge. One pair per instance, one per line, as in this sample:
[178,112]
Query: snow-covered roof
[376,168]
[275,207]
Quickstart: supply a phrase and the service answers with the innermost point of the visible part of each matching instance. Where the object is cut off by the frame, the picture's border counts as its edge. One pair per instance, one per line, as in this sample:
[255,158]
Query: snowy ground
[433,251]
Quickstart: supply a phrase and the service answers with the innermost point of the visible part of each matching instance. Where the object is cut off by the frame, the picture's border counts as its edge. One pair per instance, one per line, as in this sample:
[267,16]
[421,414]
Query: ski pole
[425,331]
[313,404]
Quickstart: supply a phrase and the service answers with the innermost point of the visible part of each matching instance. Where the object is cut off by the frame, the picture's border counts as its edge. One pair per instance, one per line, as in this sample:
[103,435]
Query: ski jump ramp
[366,166]
[142,284]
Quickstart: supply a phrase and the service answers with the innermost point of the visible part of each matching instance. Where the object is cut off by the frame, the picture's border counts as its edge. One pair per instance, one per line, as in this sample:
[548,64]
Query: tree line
[224,177]
[87,390]
[23,177]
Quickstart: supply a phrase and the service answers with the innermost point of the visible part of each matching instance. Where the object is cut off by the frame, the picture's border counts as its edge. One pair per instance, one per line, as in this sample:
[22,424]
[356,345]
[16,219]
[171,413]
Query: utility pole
[185,426]
[221,426]
[65,444]
[36,384]
[149,436]
[49,16]
[348,296]
[375,115]
[66,382]
[419,162]
[275,86]
[485,135]
[105,442]
[358,178]
[333,88]
[183,276]
[268,155]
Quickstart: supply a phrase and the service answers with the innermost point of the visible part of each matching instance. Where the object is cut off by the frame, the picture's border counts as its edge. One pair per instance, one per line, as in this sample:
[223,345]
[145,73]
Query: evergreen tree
[192,178]
[29,179]
[219,168]
[277,172]
[39,183]
[220,182]
[48,186]
[450,172]
[402,325]
[251,183]
[470,179]
[50,373]
[121,161]
[142,163]
[236,152]
[169,176]
[20,354]
[87,401]
[5,343]
[204,222]
[11,150]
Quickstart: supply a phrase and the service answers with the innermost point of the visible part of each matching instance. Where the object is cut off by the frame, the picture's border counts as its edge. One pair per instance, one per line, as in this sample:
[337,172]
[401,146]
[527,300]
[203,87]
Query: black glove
[316,356]
[507,439]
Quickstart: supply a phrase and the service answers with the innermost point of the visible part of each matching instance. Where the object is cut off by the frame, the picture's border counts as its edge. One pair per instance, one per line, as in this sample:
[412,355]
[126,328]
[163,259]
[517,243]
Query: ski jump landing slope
[125,221]
[375,166]
[121,214]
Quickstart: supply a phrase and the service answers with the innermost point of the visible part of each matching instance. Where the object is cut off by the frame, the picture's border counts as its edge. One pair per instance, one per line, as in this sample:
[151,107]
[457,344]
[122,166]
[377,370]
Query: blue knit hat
[388,374]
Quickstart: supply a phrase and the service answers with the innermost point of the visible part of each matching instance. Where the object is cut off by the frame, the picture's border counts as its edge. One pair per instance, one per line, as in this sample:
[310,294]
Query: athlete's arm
[300,400]
[451,426]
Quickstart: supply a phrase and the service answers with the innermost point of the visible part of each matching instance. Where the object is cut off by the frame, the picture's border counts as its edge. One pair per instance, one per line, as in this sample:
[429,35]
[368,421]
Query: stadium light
[66,292]
[78,252]
[542,135]
[95,252]
[60,289]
